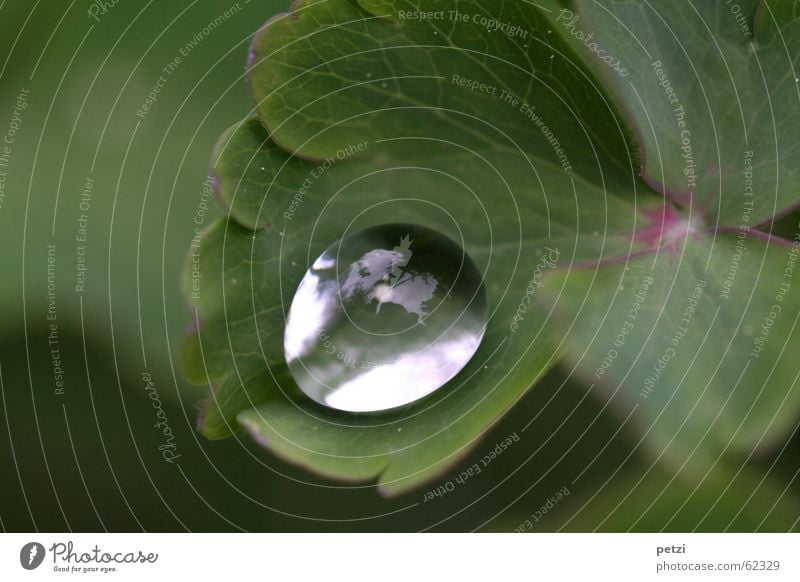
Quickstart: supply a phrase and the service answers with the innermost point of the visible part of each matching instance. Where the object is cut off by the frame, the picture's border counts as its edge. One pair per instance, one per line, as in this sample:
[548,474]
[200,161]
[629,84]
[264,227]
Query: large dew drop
[384,317]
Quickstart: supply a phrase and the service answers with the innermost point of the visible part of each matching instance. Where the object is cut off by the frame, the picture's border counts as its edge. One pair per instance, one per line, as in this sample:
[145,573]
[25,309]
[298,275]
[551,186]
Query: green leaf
[713,93]
[339,72]
[401,142]
[366,116]
[697,343]
[713,103]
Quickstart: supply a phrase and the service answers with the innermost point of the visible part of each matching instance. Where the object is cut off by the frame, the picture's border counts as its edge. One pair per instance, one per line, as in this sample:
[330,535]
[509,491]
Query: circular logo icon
[31,555]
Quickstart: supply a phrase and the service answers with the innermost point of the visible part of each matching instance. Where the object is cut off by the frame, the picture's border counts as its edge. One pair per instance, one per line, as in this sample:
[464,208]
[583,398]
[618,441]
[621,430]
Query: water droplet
[383,318]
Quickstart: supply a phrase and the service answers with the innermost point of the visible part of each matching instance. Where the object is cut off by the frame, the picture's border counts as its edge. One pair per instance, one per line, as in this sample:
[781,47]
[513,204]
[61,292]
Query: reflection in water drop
[384,317]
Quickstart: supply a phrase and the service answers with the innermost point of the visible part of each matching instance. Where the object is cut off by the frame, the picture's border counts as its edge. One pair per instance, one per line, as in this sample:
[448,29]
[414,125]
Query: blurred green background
[88,458]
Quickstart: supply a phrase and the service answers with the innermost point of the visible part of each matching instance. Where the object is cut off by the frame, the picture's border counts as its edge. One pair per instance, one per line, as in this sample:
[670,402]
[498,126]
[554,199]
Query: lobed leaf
[365,126]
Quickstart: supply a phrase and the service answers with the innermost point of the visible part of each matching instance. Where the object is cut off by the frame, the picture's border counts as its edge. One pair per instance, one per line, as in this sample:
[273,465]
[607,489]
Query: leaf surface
[367,126]
[714,95]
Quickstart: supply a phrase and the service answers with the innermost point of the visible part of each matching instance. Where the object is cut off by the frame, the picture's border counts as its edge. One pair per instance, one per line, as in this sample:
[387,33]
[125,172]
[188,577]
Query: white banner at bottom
[390,557]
